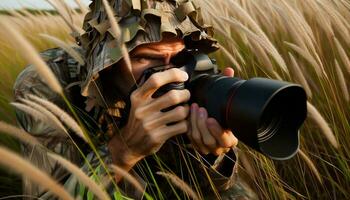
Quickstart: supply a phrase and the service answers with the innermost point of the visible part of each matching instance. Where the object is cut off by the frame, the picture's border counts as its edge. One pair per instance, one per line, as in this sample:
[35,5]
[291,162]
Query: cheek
[138,68]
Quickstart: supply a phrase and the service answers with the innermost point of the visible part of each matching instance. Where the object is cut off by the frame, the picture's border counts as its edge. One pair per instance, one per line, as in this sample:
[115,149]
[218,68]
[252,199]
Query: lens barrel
[264,114]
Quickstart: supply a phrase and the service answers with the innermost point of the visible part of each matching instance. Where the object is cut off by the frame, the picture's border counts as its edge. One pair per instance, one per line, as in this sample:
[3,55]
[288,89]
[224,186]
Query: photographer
[129,124]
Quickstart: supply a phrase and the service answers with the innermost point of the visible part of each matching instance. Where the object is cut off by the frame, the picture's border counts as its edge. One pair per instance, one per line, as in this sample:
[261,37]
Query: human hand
[147,130]
[206,134]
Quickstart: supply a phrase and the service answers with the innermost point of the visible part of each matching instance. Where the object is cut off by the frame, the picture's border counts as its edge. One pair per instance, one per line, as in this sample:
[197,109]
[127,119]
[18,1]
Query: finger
[163,118]
[164,133]
[189,133]
[193,118]
[195,136]
[225,138]
[171,98]
[228,72]
[207,141]
[207,138]
[157,80]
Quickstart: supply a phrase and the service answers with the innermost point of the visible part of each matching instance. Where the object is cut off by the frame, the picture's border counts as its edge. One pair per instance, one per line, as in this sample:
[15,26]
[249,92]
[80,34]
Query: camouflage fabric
[141,22]
[208,173]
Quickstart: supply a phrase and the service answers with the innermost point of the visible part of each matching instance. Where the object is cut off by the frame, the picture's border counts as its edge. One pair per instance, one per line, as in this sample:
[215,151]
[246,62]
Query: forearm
[122,156]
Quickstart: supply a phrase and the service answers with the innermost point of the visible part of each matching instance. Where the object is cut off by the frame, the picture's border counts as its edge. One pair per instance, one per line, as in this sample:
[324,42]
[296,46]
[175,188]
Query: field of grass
[302,41]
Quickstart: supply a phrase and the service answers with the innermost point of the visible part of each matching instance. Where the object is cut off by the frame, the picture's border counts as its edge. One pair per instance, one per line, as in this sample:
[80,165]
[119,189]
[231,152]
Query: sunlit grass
[307,42]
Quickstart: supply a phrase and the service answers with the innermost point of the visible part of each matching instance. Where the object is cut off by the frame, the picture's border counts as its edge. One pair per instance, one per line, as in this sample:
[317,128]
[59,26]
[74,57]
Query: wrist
[121,154]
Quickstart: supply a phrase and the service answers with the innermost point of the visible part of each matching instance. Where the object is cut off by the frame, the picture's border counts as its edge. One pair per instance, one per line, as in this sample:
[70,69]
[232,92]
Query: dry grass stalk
[322,123]
[128,177]
[346,4]
[14,162]
[180,184]
[239,11]
[50,117]
[256,38]
[225,31]
[293,30]
[116,30]
[244,15]
[65,15]
[343,8]
[69,49]
[38,115]
[82,7]
[247,165]
[311,165]
[232,45]
[342,81]
[295,21]
[345,59]
[63,116]
[32,56]
[299,75]
[231,58]
[336,19]
[60,5]
[19,134]
[261,55]
[69,11]
[320,16]
[305,54]
[83,178]
[265,18]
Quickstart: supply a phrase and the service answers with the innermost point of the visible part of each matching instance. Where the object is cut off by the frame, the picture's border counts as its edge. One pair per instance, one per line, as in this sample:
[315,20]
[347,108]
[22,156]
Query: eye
[142,60]
[146,60]
[139,59]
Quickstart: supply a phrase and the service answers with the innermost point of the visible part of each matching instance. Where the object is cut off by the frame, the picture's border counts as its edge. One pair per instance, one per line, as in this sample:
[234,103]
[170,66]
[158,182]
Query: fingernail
[186,76]
[193,107]
[202,113]
[210,122]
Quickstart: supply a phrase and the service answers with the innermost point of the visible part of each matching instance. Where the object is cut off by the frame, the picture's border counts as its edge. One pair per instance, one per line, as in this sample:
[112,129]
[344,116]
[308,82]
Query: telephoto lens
[264,114]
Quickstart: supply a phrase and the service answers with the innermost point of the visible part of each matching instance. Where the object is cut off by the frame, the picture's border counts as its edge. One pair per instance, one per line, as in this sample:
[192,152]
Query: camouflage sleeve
[29,82]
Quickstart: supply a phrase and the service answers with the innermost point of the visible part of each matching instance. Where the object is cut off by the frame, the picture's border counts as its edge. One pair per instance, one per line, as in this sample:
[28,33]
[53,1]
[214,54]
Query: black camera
[264,114]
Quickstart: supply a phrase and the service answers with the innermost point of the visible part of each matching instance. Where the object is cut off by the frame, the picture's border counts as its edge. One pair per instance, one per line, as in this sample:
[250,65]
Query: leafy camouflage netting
[141,21]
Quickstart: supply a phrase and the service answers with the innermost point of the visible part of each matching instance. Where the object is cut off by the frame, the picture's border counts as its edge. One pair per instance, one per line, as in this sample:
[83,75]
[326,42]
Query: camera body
[264,114]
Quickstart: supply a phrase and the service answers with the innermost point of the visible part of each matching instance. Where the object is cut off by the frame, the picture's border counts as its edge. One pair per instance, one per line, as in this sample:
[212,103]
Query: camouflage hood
[141,21]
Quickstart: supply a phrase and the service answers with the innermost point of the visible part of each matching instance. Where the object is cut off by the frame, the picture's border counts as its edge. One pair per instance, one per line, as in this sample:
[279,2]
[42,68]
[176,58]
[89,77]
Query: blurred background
[35,4]
[307,42]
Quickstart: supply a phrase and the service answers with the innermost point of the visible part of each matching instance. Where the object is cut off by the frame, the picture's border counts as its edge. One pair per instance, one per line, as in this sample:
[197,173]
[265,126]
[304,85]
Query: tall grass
[300,41]
[11,62]
[312,38]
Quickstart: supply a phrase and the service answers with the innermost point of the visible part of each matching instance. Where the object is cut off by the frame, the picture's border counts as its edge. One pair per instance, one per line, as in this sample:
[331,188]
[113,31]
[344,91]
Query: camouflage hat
[141,22]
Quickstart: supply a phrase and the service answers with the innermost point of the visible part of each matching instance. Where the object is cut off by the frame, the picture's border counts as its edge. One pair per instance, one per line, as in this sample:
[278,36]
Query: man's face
[142,57]
[154,54]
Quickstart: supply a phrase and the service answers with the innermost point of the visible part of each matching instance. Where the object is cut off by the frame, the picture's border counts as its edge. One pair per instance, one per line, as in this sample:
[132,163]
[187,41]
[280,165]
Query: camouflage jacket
[209,173]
